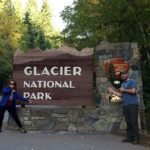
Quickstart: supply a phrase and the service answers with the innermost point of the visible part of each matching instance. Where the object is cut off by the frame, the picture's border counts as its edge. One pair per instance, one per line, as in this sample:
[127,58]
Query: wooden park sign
[61,76]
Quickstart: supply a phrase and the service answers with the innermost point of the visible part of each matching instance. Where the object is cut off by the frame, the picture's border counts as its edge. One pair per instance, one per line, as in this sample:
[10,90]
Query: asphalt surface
[14,140]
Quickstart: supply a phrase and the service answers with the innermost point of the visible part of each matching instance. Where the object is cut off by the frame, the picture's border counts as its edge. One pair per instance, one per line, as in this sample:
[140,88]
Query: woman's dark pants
[13,113]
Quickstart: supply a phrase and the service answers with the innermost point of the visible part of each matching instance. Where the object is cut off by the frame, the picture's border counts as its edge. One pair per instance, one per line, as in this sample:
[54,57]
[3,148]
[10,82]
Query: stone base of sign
[106,119]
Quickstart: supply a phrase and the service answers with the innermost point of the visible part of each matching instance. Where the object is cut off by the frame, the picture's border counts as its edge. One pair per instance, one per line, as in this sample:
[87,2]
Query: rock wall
[69,119]
[106,51]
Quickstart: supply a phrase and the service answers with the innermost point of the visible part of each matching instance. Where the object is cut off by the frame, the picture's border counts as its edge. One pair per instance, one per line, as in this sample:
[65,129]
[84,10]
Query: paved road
[13,140]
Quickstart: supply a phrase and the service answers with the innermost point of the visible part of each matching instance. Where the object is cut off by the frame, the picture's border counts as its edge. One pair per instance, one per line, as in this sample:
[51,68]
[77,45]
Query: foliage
[91,21]
[10,36]
[52,37]
[29,34]
[40,32]
[81,24]
[9,28]
[24,30]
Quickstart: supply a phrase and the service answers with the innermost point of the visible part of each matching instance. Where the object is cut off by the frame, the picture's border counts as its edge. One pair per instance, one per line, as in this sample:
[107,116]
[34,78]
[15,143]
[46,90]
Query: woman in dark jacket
[8,102]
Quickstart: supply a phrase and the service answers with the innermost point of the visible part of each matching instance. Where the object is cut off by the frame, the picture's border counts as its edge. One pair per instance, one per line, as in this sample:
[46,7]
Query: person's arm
[112,91]
[131,91]
[20,97]
[6,90]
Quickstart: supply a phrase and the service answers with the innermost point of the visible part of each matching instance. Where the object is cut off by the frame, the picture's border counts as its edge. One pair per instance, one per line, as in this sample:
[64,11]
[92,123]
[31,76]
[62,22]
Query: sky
[57,6]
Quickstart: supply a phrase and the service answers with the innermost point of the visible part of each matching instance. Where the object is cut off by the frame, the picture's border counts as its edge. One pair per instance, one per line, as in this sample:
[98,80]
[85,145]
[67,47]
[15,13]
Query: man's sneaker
[127,140]
[135,142]
[22,130]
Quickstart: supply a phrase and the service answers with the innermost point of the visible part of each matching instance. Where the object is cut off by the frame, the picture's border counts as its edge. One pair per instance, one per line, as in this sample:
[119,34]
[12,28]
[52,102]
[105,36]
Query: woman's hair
[13,82]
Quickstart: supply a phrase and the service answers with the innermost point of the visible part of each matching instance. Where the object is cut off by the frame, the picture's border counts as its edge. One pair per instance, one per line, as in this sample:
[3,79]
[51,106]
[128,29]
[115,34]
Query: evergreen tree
[39,30]
[30,18]
[52,37]
[45,24]
[30,35]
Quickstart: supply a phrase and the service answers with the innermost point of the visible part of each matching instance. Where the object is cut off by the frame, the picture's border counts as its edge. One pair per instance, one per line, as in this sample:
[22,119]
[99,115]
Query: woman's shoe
[23,130]
[135,142]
